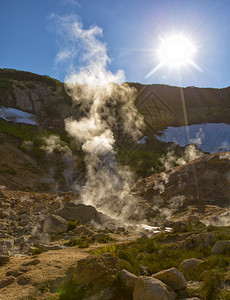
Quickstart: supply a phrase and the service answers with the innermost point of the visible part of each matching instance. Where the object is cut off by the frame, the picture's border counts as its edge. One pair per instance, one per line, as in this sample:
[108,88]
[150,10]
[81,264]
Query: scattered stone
[144,270]
[202,240]
[4,259]
[23,280]
[120,229]
[101,237]
[98,272]
[50,247]
[7,281]
[172,277]
[129,280]
[14,273]
[4,235]
[3,214]
[180,226]
[54,224]
[32,262]
[191,263]
[85,213]
[221,247]
[194,285]
[83,230]
[20,240]
[23,222]
[148,288]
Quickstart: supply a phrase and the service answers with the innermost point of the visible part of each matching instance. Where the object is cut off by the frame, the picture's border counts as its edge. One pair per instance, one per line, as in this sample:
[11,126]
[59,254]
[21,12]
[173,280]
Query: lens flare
[176,51]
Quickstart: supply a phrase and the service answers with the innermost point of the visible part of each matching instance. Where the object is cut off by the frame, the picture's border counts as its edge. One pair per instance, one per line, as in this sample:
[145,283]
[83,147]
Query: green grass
[72,224]
[157,255]
[82,242]
[106,249]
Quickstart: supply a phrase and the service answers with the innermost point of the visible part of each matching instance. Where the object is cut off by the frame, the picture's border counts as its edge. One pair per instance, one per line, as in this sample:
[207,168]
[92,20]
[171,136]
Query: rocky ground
[47,240]
[52,246]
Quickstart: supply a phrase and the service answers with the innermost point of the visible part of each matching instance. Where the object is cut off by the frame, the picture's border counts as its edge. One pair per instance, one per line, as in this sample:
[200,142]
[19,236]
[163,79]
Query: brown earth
[204,181]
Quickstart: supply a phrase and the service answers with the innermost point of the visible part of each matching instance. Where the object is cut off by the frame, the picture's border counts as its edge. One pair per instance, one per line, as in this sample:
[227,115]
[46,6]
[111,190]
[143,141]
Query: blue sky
[30,39]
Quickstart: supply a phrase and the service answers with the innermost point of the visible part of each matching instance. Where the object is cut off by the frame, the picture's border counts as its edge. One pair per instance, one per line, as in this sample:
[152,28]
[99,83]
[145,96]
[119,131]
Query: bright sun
[176,51]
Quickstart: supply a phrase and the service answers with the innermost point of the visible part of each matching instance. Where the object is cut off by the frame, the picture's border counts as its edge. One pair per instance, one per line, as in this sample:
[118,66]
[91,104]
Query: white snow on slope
[210,137]
[17,116]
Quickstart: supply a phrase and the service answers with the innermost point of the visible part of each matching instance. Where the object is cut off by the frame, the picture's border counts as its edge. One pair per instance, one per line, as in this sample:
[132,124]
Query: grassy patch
[82,242]
[106,249]
[72,224]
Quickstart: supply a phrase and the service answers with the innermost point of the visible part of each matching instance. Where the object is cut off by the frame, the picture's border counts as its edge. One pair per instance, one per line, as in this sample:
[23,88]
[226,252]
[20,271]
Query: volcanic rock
[54,224]
[173,278]
[149,288]
[85,213]
[221,247]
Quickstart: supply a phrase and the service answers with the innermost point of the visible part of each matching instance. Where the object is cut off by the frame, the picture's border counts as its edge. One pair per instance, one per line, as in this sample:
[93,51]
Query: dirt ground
[42,270]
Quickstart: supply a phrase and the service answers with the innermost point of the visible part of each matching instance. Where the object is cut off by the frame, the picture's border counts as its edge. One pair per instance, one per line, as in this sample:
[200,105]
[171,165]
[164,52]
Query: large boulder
[85,213]
[221,247]
[148,288]
[173,278]
[128,280]
[95,275]
[190,264]
[202,240]
[54,224]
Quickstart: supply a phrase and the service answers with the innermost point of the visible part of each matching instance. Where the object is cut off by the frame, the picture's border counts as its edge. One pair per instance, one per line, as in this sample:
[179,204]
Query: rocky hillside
[162,105]
[176,242]
[41,95]
[204,181]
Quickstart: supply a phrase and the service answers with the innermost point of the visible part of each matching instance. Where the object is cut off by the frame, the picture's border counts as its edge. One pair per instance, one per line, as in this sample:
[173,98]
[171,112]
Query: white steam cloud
[106,110]
[171,160]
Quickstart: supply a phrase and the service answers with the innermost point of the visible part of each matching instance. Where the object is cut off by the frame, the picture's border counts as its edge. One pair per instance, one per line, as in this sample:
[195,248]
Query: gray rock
[4,259]
[144,270]
[23,280]
[32,262]
[85,213]
[221,247]
[100,272]
[191,263]
[83,230]
[7,281]
[129,280]
[148,288]
[54,224]
[202,240]
[20,240]
[101,237]
[50,247]
[172,277]
[23,222]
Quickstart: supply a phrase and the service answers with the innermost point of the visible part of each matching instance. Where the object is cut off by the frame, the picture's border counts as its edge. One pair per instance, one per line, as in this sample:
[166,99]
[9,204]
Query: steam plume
[106,110]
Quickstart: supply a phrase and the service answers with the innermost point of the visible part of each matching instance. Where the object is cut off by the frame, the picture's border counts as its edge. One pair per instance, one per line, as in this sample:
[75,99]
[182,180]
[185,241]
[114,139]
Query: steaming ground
[107,110]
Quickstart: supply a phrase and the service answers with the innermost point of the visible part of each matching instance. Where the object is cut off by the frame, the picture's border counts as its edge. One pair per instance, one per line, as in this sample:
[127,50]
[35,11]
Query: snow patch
[209,137]
[17,116]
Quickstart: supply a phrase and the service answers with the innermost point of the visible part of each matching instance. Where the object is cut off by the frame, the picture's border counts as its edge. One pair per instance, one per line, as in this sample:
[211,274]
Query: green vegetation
[27,76]
[158,254]
[73,224]
[36,251]
[144,159]
[106,249]
[83,242]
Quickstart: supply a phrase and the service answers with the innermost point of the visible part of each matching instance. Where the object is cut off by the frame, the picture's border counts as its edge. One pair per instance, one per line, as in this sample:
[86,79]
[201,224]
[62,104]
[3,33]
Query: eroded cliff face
[164,105]
[41,95]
